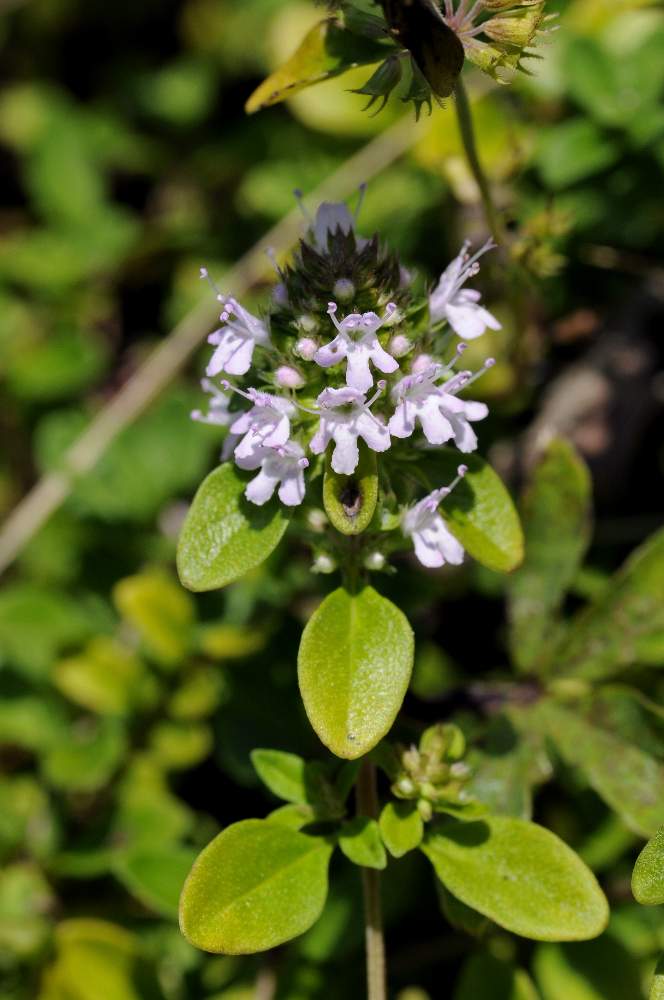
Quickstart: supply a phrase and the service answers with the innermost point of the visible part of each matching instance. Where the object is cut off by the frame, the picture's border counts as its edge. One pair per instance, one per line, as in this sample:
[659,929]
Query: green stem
[465,119]
[367,805]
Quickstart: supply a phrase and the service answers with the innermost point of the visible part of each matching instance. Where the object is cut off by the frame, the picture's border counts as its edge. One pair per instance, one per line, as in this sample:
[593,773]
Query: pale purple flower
[235,341]
[218,404]
[461,306]
[283,467]
[265,425]
[434,543]
[345,416]
[442,415]
[357,341]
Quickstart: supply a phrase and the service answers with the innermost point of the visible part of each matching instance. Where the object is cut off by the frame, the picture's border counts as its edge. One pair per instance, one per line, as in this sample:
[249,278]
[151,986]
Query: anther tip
[462,470]
[381,383]
[489,363]
[203,272]
[463,346]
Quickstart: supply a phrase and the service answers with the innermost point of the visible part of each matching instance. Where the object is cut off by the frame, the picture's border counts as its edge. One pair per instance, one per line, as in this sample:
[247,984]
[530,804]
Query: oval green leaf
[256,885]
[521,876]
[559,494]
[593,970]
[401,827]
[354,665]
[155,875]
[224,536]
[283,773]
[360,841]
[657,985]
[350,501]
[648,874]
[479,511]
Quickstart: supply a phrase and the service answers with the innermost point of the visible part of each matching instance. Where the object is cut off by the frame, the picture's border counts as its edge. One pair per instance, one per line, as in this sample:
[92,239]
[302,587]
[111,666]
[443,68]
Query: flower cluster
[433,774]
[350,376]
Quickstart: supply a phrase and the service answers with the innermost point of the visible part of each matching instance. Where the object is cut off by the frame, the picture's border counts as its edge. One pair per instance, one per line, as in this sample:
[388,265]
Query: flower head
[434,543]
[282,466]
[460,306]
[357,341]
[345,416]
[495,34]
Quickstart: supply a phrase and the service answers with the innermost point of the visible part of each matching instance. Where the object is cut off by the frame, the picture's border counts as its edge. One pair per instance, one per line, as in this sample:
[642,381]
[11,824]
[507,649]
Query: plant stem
[367,805]
[465,120]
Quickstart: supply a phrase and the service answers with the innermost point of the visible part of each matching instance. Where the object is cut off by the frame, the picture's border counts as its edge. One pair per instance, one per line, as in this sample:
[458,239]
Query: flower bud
[425,809]
[399,345]
[317,519]
[375,561]
[288,378]
[305,348]
[323,564]
[405,787]
[344,290]
[307,322]
[280,295]
[421,363]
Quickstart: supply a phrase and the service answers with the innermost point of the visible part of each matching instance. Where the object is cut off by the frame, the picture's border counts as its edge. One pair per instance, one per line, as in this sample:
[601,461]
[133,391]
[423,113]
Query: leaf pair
[259,884]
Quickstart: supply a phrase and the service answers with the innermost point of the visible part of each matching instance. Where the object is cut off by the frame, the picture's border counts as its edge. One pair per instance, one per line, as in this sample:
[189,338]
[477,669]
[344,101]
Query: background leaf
[648,874]
[556,522]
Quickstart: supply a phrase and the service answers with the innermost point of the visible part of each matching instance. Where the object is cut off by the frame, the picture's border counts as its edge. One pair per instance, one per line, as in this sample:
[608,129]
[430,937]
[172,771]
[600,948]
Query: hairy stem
[465,119]
[367,805]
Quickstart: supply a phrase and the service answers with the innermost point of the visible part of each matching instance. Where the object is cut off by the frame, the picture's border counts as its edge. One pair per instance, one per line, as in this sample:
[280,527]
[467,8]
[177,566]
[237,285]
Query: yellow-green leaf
[354,665]
[327,50]
[256,885]
[648,874]
[401,827]
[520,875]
[350,501]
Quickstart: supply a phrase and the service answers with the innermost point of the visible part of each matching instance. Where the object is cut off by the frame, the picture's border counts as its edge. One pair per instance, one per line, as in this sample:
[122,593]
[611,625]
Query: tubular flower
[304,409]
[265,425]
[357,341]
[434,543]
[282,466]
[442,415]
[345,416]
[461,306]
[236,339]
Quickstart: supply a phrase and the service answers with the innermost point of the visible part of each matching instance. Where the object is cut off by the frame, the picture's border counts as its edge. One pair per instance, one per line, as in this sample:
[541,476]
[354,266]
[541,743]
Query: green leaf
[560,495]
[255,886]
[224,536]
[648,874]
[283,773]
[657,985]
[293,816]
[593,970]
[401,827]
[572,151]
[88,758]
[106,677]
[485,977]
[520,875]
[507,768]
[479,511]
[350,501]
[460,916]
[325,51]
[178,746]
[626,624]
[161,612]
[354,665]
[94,959]
[360,841]
[155,875]
[630,781]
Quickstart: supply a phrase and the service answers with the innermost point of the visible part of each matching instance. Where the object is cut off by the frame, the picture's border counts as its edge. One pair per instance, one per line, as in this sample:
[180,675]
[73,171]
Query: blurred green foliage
[127,709]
